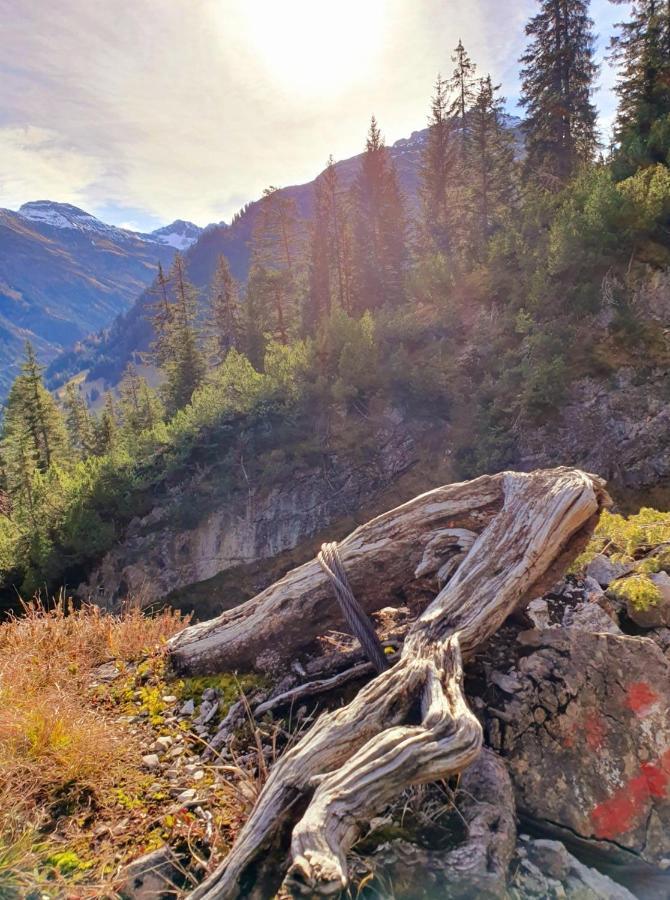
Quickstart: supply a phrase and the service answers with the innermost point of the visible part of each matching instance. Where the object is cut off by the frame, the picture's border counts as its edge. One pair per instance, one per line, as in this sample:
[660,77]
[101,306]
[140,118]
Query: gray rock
[187,709]
[579,881]
[604,570]
[157,875]
[586,739]
[151,761]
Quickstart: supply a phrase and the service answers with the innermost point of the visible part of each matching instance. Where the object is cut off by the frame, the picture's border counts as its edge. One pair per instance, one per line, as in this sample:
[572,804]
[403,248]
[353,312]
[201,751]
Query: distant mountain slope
[65,274]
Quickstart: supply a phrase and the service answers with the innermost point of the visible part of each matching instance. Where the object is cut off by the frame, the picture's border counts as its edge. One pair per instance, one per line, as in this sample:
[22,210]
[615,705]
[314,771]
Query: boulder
[547,870]
[604,570]
[155,876]
[587,738]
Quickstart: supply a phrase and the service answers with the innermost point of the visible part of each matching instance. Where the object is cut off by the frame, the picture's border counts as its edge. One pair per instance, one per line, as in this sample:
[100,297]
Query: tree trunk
[411,724]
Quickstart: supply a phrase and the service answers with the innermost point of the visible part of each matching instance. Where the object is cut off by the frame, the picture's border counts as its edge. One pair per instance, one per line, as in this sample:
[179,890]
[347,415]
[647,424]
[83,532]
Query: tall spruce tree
[276,253]
[33,432]
[80,424]
[490,166]
[380,228]
[438,166]
[223,315]
[139,406]
[642,51]
[557,86]
[330,273]
[463,88]
[179,354]
[107,427]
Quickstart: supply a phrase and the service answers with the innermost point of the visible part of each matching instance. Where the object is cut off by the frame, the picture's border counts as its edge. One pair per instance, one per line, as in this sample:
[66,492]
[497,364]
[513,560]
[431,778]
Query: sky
[144,111]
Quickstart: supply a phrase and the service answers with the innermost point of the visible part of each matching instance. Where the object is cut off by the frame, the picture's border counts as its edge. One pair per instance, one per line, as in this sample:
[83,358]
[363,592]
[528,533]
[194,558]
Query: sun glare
[313,46]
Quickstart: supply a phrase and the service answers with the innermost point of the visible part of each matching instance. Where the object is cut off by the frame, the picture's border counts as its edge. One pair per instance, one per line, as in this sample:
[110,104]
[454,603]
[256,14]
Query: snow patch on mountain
[62,215]
[180,234]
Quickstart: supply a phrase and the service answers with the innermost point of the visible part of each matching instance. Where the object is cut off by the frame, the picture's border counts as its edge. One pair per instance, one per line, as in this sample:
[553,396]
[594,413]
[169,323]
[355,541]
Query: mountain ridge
[65,274]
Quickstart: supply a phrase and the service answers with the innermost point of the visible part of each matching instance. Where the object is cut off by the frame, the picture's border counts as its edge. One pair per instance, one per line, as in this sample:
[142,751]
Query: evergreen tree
[320,251]
[223,326]
[557,85]
[438,164]
[183,365]
[107,427]
[490,166]
[330,270]
[139,406]
[33,434]
[642,51]
[162,321]
[79,422]
[276,252]
[463,87]
[379,228]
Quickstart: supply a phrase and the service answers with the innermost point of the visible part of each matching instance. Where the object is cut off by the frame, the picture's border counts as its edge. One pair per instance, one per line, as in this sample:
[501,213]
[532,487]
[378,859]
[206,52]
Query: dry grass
[61,752]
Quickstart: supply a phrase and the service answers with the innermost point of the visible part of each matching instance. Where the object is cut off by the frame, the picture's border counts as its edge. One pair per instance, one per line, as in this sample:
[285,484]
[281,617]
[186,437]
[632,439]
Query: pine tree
[557,85]
[107,427]
[438,166]
[33,434]
[139,406]
[379,228]
[463,87]
[162,321]
[642,51]
[276,251]
[79,422]
[330,271]
[319,299]
[223,319]
[183,363]
[490,166]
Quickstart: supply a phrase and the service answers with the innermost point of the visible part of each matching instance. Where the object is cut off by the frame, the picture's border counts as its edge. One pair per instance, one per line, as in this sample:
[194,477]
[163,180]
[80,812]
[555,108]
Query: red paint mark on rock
[629,804]
[595,730]
[640,697]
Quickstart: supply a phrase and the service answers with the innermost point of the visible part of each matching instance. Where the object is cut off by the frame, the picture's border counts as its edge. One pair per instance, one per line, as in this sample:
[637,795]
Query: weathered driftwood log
[395,555]
[411,724]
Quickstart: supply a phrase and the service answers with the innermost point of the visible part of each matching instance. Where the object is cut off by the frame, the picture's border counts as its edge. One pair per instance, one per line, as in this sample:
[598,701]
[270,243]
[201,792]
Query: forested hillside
[517,278]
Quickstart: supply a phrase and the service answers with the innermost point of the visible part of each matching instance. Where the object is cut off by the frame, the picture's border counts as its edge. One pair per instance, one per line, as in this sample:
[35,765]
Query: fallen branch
[410,724]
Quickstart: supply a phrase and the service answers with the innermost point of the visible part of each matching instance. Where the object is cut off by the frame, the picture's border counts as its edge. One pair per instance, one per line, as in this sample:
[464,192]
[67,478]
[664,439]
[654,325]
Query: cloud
[152,110]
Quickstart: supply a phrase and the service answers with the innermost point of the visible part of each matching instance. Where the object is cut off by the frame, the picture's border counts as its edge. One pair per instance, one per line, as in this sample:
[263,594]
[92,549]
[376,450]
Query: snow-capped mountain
[64,274]
[180,234]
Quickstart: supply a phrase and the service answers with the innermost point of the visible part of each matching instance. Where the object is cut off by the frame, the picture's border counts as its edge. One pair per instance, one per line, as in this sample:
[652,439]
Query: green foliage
[638,590]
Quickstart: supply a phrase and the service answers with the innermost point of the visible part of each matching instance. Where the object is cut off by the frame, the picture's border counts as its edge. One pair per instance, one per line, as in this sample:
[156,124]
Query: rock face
[617,427]
[587,736]
[157,558]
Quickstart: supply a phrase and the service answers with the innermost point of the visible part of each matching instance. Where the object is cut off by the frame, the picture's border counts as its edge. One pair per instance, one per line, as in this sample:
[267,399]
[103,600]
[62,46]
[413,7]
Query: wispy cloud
[149,110]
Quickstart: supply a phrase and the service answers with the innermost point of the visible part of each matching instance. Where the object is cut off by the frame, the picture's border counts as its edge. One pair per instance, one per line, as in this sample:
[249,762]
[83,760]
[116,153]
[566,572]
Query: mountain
[180,234]
[65,274]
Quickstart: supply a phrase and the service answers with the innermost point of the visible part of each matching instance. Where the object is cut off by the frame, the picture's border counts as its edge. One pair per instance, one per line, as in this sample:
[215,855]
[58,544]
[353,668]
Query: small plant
[638,590]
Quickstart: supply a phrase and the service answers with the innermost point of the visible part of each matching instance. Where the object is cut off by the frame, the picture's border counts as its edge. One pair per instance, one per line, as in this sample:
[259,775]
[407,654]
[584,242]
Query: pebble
[169,698]
[198,776]
[151,761]
[187,795]
[162,744]
[187,708]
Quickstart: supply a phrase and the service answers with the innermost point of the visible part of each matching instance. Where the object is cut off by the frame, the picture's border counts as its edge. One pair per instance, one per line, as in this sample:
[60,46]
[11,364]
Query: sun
[314,46]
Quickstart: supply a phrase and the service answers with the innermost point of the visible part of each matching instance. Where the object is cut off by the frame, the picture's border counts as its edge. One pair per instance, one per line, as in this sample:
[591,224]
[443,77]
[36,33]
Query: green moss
[68,862]
[229,685]
[638,590]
